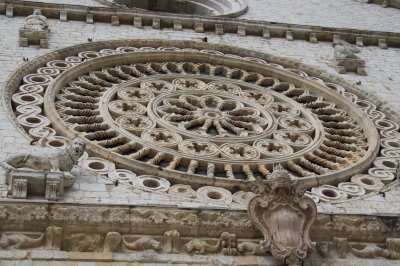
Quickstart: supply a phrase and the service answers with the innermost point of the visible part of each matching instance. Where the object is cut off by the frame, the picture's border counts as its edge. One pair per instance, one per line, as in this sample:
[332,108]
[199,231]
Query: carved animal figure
[113,240]
[20,241]
[143,243]
[344,50]
[84,242]
[199,246]
[36,21]
[370,251]
[250,248]
[42,160]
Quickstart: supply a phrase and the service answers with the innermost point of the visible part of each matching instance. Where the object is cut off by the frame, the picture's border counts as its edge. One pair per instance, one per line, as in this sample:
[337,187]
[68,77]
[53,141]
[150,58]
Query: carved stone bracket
[284,216]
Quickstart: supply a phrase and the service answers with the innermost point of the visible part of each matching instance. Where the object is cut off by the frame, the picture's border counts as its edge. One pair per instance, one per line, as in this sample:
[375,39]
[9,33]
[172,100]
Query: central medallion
[211,117]
[217,116]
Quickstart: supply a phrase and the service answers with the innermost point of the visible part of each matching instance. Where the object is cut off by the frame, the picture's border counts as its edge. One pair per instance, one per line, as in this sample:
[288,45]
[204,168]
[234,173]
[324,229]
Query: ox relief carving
[35,30]
[284,216]
[43,172]
[346,58]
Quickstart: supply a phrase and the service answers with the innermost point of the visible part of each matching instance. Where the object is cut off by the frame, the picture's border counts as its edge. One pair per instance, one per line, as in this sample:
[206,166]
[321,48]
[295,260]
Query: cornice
[219,25]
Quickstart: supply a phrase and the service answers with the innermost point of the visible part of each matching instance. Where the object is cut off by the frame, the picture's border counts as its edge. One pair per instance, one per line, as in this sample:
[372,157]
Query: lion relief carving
[48,160]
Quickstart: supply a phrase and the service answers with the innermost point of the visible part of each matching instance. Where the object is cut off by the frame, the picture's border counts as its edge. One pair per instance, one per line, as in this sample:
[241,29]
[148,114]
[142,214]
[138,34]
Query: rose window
[198,119]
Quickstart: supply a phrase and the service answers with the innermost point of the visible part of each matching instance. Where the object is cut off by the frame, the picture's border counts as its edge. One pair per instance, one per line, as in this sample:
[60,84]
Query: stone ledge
[253,28]
[46,257]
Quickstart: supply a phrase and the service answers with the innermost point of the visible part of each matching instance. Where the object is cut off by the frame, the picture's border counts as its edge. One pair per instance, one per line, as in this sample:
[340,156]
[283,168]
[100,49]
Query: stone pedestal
[38,37]
[27,182]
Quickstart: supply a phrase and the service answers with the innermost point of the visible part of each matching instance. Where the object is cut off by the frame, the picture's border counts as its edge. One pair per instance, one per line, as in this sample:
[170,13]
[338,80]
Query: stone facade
[144,137]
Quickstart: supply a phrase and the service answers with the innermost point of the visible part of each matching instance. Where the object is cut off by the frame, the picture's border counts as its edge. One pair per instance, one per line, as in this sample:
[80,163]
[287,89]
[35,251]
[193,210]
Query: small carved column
[284,216]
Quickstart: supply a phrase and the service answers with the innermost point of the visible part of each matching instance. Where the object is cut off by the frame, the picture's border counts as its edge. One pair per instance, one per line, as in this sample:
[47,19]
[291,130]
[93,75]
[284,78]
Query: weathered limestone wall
[328,13]
[351,14]
[383,81]
[383,78]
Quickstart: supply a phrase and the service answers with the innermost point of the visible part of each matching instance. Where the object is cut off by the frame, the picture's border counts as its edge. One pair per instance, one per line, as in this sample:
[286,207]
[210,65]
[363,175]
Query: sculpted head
[37,12]
[77,146]
[4,241]
[280,178]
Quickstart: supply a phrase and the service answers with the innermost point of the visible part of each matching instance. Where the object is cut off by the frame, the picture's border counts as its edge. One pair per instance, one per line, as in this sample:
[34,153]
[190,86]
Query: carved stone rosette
[284,216]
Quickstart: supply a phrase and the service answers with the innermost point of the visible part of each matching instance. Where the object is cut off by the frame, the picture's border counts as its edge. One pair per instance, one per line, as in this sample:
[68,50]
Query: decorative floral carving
[40,213]
[90,215]
[3,213]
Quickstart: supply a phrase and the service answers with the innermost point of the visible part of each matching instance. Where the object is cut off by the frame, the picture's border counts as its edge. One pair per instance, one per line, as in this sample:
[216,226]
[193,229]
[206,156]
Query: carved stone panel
[284,216]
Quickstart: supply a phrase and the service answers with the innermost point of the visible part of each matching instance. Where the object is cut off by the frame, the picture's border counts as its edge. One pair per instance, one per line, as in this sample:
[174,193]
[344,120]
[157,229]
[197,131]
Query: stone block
[19,188]
[382,43]
[114,21]
[361,71]
[156,23]
[3,192]
[23,42]
[266,34]
[359,41]
[90,256]
[385,3]
[44,43]
[53,237]
[341,70]
[63,15]
[219,29]
[137,22]
[241,31]
[198,27]
[289,35]
[35,180]
[10,11]
[33,36]
[351,65]
[335,38]
[89,19]
[42,254]
[177,25]
[54,185]
[313,38]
